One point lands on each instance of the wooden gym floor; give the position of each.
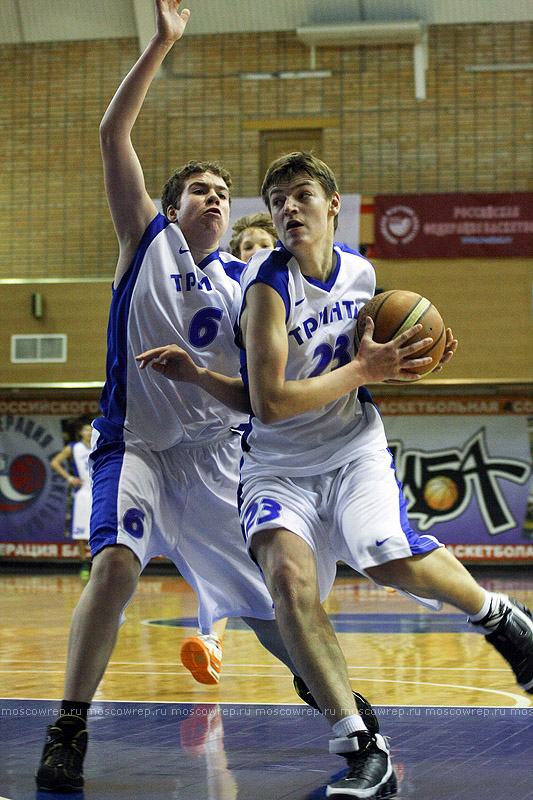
(460, 728)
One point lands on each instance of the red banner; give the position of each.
(454, 225)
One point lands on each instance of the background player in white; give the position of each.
(252, 233)
(77, 453)
(202, 654)
(165, 462)
(318, 482)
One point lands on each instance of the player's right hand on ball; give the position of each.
(394, 360)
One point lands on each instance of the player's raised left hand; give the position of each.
(170, 21)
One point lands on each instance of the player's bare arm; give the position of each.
(129, 202)
(57, 464)
(274, 399)
(176, 364)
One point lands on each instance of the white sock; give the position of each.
(485, 608)
(492, 612)
(348, 725)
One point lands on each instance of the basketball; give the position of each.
(397, 310)
(441, 493)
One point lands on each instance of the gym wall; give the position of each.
(471, 133)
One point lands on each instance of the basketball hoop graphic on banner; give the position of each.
(33, 497)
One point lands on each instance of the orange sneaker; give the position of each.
(202, 655)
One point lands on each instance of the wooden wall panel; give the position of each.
(78, 309)
(486, 303)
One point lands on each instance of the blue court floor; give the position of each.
(185, 751)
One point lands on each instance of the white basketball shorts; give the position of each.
(80, 513)
(180, 503)
(356, 514)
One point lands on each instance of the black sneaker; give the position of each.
(512, 636)
(370, 773)
(363, 706)
(61, 766)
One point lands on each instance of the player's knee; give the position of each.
(115, 568)
(399, 572)
(292, 585)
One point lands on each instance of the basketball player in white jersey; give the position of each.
(317, 480)
(165, 457)
(80, 511)
(202, 653)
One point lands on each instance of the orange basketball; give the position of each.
(441, 493)
(397, 310)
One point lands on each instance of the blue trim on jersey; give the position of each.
(214, 256)
(347, 249)
(113, 397)
(273, 271)
(233, 269)
(364, 396)
(245, 447)
(243, 369)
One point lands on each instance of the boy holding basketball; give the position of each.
(317, 480)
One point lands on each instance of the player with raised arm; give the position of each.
(202, 653)
(165, 463)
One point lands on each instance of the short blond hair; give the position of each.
(261, 220)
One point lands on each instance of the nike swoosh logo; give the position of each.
(298, 302)
(379, 543)
(184, 251)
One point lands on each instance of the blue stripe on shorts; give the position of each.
(417, 543)
(107, 462)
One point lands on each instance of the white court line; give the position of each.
(236, 665)
(98, 701)
(519, 700)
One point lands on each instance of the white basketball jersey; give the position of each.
(165, 298)
(80, 461)
(320, 321)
